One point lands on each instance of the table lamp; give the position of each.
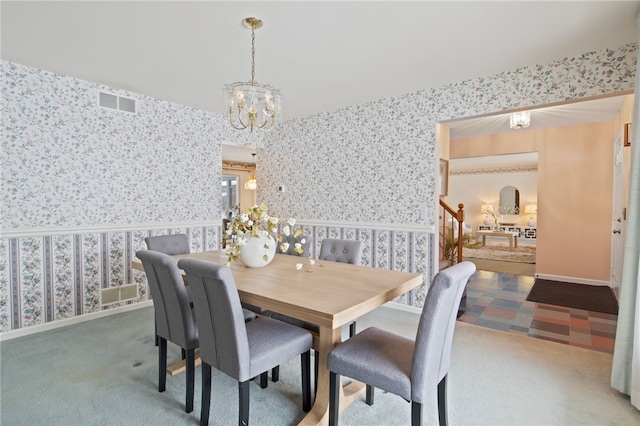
(531, 209)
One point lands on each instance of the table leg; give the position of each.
(515, 241)
(319, 413)
(484, 240)
(510, 238)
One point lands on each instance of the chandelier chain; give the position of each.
(253, 54)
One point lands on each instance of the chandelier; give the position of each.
(252, 183)
(520, 120)
(250, 104)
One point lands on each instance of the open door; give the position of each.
(618, 217)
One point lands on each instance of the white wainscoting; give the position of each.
(51, 275)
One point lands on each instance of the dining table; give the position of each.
(329, 294)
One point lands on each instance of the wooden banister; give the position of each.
(450, 246)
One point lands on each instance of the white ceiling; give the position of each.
(322, 55)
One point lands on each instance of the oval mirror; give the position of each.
(509, 200)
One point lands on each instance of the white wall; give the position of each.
(478, 185)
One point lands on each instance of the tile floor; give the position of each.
(497, 300)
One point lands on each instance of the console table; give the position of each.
(511, 236)
(525, 233)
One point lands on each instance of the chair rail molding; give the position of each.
(87, 229)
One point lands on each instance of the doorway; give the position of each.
(552, 122)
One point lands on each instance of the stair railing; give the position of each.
(450, 246)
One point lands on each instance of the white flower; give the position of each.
(298, 245)
(286, 231)
(291, 221)
(241, 241)
(249, 223)
(284, 247)
(244, 217)
(298, 266)
(228, 232)
(273, 220)
(303, 241)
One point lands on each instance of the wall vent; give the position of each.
(123, 293)
(120, 103)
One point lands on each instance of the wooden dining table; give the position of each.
(329, 294)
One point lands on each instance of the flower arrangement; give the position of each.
(283, 238)
(488, 210)
(256, 222)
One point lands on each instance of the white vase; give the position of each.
(252, 254)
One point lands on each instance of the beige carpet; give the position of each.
(495, 378)
(500, 251)
(515, 268)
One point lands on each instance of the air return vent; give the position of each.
(110, 101)
(118, 294)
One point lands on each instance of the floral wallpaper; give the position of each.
(82, 186)
(67, 162)
(376, 163)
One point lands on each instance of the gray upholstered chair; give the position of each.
(175, 244)
(242, 351)
(169, 244)
(175, 321)
(343, 251)
(404, 367)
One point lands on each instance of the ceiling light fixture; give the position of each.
(250, 104)
(252, 183)
(520, 120)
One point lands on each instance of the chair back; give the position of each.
(169, 244)
(344, 251)
(174, 317)
(432, 353)
(223, 336)
(292, 241)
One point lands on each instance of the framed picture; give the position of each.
(627, 134)
(444, 177)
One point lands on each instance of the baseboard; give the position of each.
(572, 280)
(13, 334)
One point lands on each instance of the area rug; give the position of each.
(580, 296)
(500, 251)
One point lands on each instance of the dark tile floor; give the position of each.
(497, 300)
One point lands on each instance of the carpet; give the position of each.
(500, 251)
(580, 296)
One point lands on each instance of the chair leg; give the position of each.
(316, 364)
(442, 401)
(275, 373)
(206, 394)
(264, 380)
(370, 392)
(155, 330)
(191, 372)
(243, 403)
(162, 364)
(305, 361)
(416, 414)
(352, 329)
(184, 353)
(334, 398)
